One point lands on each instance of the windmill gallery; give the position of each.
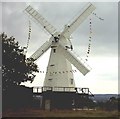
(59, 89)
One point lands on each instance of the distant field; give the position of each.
(60, 113)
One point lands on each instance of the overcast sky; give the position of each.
(103, 58)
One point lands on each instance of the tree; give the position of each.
(109, 105)
(15, 67)
(118, 103)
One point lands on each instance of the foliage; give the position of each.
(15, 67)
(111, 104)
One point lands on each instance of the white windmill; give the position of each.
(61, 56)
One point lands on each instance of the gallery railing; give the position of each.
(62, 89)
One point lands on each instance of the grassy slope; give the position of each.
(60, 113)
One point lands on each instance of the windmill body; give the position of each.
(59, 68)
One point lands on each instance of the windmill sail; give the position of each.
(75, 24)
(81, 66)
(34, 15)
(41, 50)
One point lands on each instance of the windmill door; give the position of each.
(47, 104)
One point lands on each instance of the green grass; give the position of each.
(60, 113)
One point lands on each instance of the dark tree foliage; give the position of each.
(15, 67)
(109, 105)
(119, 104)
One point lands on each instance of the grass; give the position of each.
(60, 113)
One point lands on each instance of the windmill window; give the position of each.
(50, 79)
(71, 80)
(52, 65)
(51, 73)
(54, 50)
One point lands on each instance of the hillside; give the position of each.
(103, 97)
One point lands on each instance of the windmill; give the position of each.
(61, 56)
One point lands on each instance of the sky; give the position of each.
(103, 58)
